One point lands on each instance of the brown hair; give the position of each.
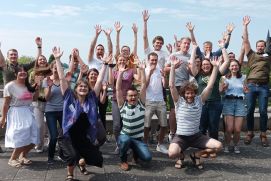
(260, 41)
(188, 86)
(239, 74)
(160, 38)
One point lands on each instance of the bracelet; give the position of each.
(111, 65)
(105, 63)
(39, 46)
(229, 33)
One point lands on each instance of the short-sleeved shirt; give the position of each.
(20, 96)
(97, 64)
(181, 73)
(154, 91)
(162, 56)
(132, 117)
(188, 116)
(259, 66)
(9, 70)
(203, 80)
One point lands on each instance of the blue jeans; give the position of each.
(139, 148)
(210, 117)
(261, 92)
(51, 119)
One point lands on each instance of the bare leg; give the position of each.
(172, 121)
(146, 134)
(238, 122)
(162, 134)
(229, 126)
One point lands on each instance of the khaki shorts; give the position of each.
(155, 107)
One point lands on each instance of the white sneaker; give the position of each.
(236, 149)
(226, 149)
(162, 149)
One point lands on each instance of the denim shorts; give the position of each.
(234, 107)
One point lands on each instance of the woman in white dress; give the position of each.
(21, 131)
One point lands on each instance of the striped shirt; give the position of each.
(188, 116)
(132, 119)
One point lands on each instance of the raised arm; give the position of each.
(98, 84)
(98, 30)
(192, 60)
(246, 21)
(142, 67)
(174, 92)
(226, 63)
(38, 41)
(118, 28)
(63, 82)
(242, 54)
(119, 93)
(107, 33)
(103, 93)
(208, 89)
(135, 29)
(146, 16)
(190, 28)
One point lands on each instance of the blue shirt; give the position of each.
(72, 109)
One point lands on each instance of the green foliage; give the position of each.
(25, 59)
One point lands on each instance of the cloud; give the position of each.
(53, 11)
(128, 7)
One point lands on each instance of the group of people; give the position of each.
(202, 86)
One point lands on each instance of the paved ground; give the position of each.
(253, 163)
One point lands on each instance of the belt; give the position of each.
(233, 97)
(258, 82)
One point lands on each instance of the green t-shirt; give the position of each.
(203, 80)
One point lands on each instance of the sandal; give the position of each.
(248, 138)
(69, 178)
(180, 162)
(194, 160)
(83, 170)
(24, 161)
(14, 163)
(264, 140)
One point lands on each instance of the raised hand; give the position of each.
(105, 86)
(38, 41)
(190, 27)
(230, 27)
(98, 29)
(107, 31)
(246, 20)
(145, 15)
(75, 52)
(38, 79)
(49, 82)
(169, 48)
(221, 43)
(107, 59)
(84, 68)
(175, 61)
(134, 28)
(57, 53)
(118, 27)
(215, 61)
(141, 65)
(152, 68)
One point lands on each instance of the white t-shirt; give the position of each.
(20, 96)
(154, 91)
(162, 56)
(97, 64)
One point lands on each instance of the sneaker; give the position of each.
(170, 137)
(162, 149)
(124, 166)
(226, 149)
(50, 161)
(236, 149)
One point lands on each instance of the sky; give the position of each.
(70, 24)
